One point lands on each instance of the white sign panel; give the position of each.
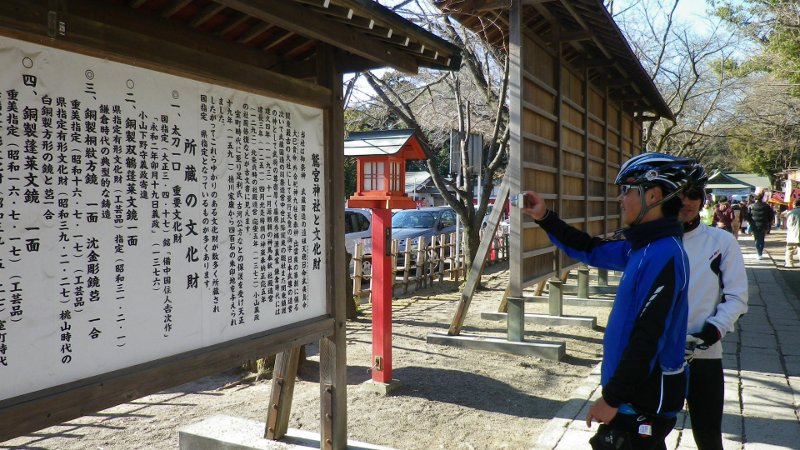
(144, 215)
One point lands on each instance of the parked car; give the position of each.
(414, 224)
(422, 223)
(358, 225)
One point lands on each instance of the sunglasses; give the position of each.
(694, 194)
(625, 188)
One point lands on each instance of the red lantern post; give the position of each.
(381, 186)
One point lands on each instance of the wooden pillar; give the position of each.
(515, 170)
(282, 392)
(332, 349)
(559, 138)
(585, 145)
(606, 229)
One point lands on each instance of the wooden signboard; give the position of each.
(154, 229)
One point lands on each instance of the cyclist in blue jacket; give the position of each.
(644, 374)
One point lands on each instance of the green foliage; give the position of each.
(766, 138)
(350, 174)
(774, 25)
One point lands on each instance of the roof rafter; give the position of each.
(316, 26)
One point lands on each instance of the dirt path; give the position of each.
(451, 398)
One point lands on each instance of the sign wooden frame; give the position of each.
(33, 411)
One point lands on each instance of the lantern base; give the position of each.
(381, 202)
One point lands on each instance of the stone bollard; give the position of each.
(556, 300)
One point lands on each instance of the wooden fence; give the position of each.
(421, 263)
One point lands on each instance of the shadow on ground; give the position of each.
(456, 387)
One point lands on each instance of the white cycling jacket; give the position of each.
(717, 283)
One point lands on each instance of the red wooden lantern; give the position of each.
(382, 157)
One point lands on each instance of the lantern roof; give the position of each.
(398, 143)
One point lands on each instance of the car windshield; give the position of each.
(414, 219)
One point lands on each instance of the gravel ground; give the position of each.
(450, 399)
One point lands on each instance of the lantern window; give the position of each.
(373, 176)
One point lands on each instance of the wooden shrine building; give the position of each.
(578, 98)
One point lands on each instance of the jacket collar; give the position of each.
(692, 224)
(644, 233)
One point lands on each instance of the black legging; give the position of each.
(706, 395)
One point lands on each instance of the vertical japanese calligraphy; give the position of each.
(143, 215)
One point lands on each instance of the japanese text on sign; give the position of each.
(143, 215)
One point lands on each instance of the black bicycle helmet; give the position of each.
(696, 176)
(671, 173)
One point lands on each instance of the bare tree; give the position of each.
(472, 100)
(697, 72)
(765, 133)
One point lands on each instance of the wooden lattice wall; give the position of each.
(569, 138)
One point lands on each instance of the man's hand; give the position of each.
(691, 345)
(708, 336)
(533, 205)
(600, 412)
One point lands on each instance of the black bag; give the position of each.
(608, 438)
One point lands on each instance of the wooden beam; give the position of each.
(574, 36)
(606, 149)
(232, 23)
(207, 13)
(333, 348)
(620, 83)
(316, 26)
(475, 271)
(475, 6)
(596, 63)
(278, 41)
(540, 7)
(429, 40)
(30, 412)
(351, 63)
(578, 18)
(558, 85)
(104, 33)
(582, 23)
(164, 30)
(254, 32)
(282, 393)
(304, 70)
(174, 7)
(515, 170)
(585, 143)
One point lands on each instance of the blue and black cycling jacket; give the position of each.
(643, 347)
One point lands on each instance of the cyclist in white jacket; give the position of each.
(717, 298)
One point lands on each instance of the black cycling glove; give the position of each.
(709, 336)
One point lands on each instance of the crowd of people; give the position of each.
(755, 216)
(683, 288)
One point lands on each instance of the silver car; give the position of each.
(358, 226)
(423, 223)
